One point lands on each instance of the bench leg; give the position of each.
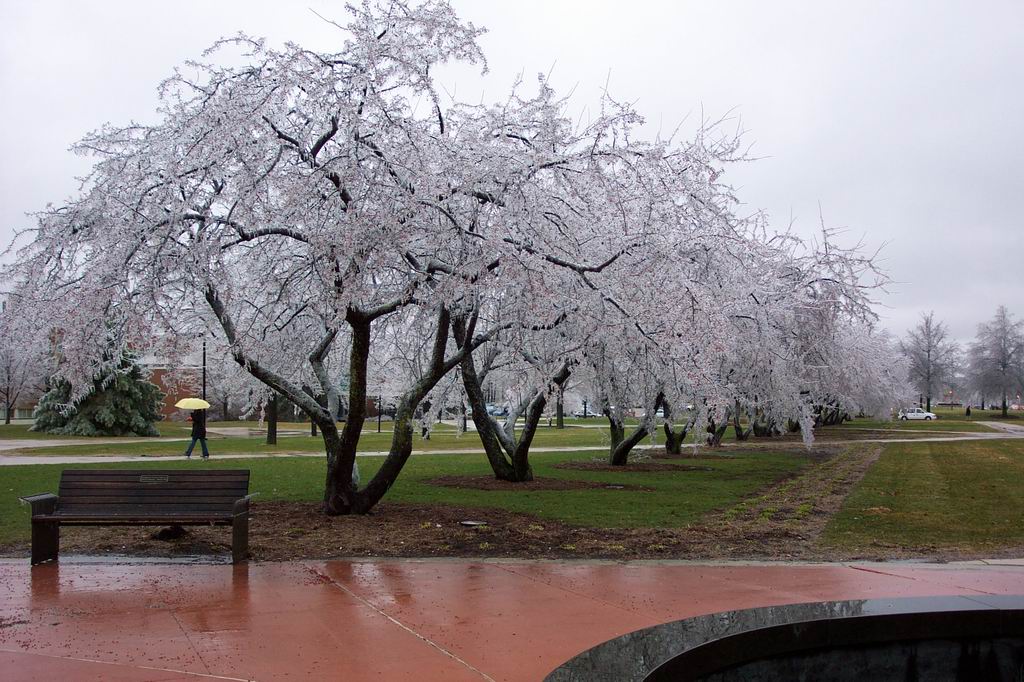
(45, 541)
(240, 538)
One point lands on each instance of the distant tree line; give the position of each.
(990, 369)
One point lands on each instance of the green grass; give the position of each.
(967, 495)
(21, 432)
(442, 438)
(940, 424)
(677, 498)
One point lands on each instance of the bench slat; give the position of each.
(141, 478)
(210, 488)
(170, 506)
(145, 499)
(99, 496)
(172, 475)
(178, 485)
(136, 472)
(141, 520)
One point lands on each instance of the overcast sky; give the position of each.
(904, 121)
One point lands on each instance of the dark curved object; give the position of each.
(947, 638)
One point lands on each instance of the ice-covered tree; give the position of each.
(26, 360)
(997, 357)
(305, 203)
(932, 356)
(336, 214)
(118, 401)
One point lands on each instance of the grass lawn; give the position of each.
(675, 498)
(965, 495)
(172, 429)
(21, 432)
(442, 438)
(940, 424)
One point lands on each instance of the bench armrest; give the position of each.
(43, 503)
(242, 504)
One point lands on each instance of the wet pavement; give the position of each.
(396, 620)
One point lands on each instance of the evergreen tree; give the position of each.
(121, 403)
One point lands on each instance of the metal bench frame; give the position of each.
(102, 507)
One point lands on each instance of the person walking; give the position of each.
(198, 418)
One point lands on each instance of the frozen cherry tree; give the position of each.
(333, 216)
(307, 204)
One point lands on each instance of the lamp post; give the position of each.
(204, 369)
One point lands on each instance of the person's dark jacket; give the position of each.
(199, 423)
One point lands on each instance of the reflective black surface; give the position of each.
(919, 638)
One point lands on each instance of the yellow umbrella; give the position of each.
(192, 404)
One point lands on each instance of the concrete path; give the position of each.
(10, 460)
(1006, 427)
(7, 445)
(427, 620)
(1008, 432)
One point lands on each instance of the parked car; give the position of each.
(589, 412)
(497, 410)
(916, 413)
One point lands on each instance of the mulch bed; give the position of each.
(688, 456)
(491, 483)
(288, 531)
(583, 465)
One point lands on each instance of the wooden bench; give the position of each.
(131, 497)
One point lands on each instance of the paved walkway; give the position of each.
(425, 620)
(1006, 427)
(1007, 432)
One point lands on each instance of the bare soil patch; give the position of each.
(688, 456)
(491, 483)
(583, 465)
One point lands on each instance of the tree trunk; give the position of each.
(401, 439)
(7, 413)
(272, 405)
(621, 445)
(618, 435)
(762, 428)
(928, 404)
(1005, 413)
(340, 495)
(485, 426)
(560, 411)
(339, 489)
(508, 456)
(224, 409)
(715, 432)
(673, 439)
(531, 419)
(741, 433)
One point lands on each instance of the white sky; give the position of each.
(904, 121)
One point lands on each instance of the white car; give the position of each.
(916, 413)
